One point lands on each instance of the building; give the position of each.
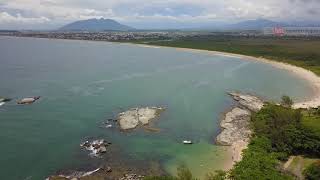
(292, 31)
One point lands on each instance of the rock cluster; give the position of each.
(97, 147)
(131, 177)
(132, 118)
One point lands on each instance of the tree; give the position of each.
(286, 101)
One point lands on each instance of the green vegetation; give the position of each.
(259, 162)
(311, 120)
(286, 132)
(278, 133)
(286, 101)
(313, 171)
(303, 52)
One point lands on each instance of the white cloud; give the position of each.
(62, 11)
(7, 18)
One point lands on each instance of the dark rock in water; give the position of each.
(97, 147)
(102, 149)
(85, 144)
(132, 177)
(5, 99)
(109, 169)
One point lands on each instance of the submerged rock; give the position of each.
(132, 118)
(97, 147)
(248, 101)
(4, 99)
(73, 175)
(132, 177)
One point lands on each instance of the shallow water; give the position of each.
(84, 83)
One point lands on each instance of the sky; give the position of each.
(51, 14)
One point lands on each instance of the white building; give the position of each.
(292, 31)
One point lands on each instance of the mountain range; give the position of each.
(112, 25)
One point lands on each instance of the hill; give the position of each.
(96, 25)
(257, 24)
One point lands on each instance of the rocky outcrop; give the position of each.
(235, 126)
(248, 101)
(132, 118)
(28, 100)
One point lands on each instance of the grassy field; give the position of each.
(303, 52)
(311, 121)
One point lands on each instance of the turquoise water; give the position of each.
(84, 83)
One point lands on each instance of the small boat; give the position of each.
(187, 142)
(2, 103)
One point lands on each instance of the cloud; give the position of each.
(8, 18)
(147, 11)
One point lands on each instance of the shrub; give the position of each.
(286, 101)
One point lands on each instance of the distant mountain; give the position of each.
(257, 24)
(96, 25)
